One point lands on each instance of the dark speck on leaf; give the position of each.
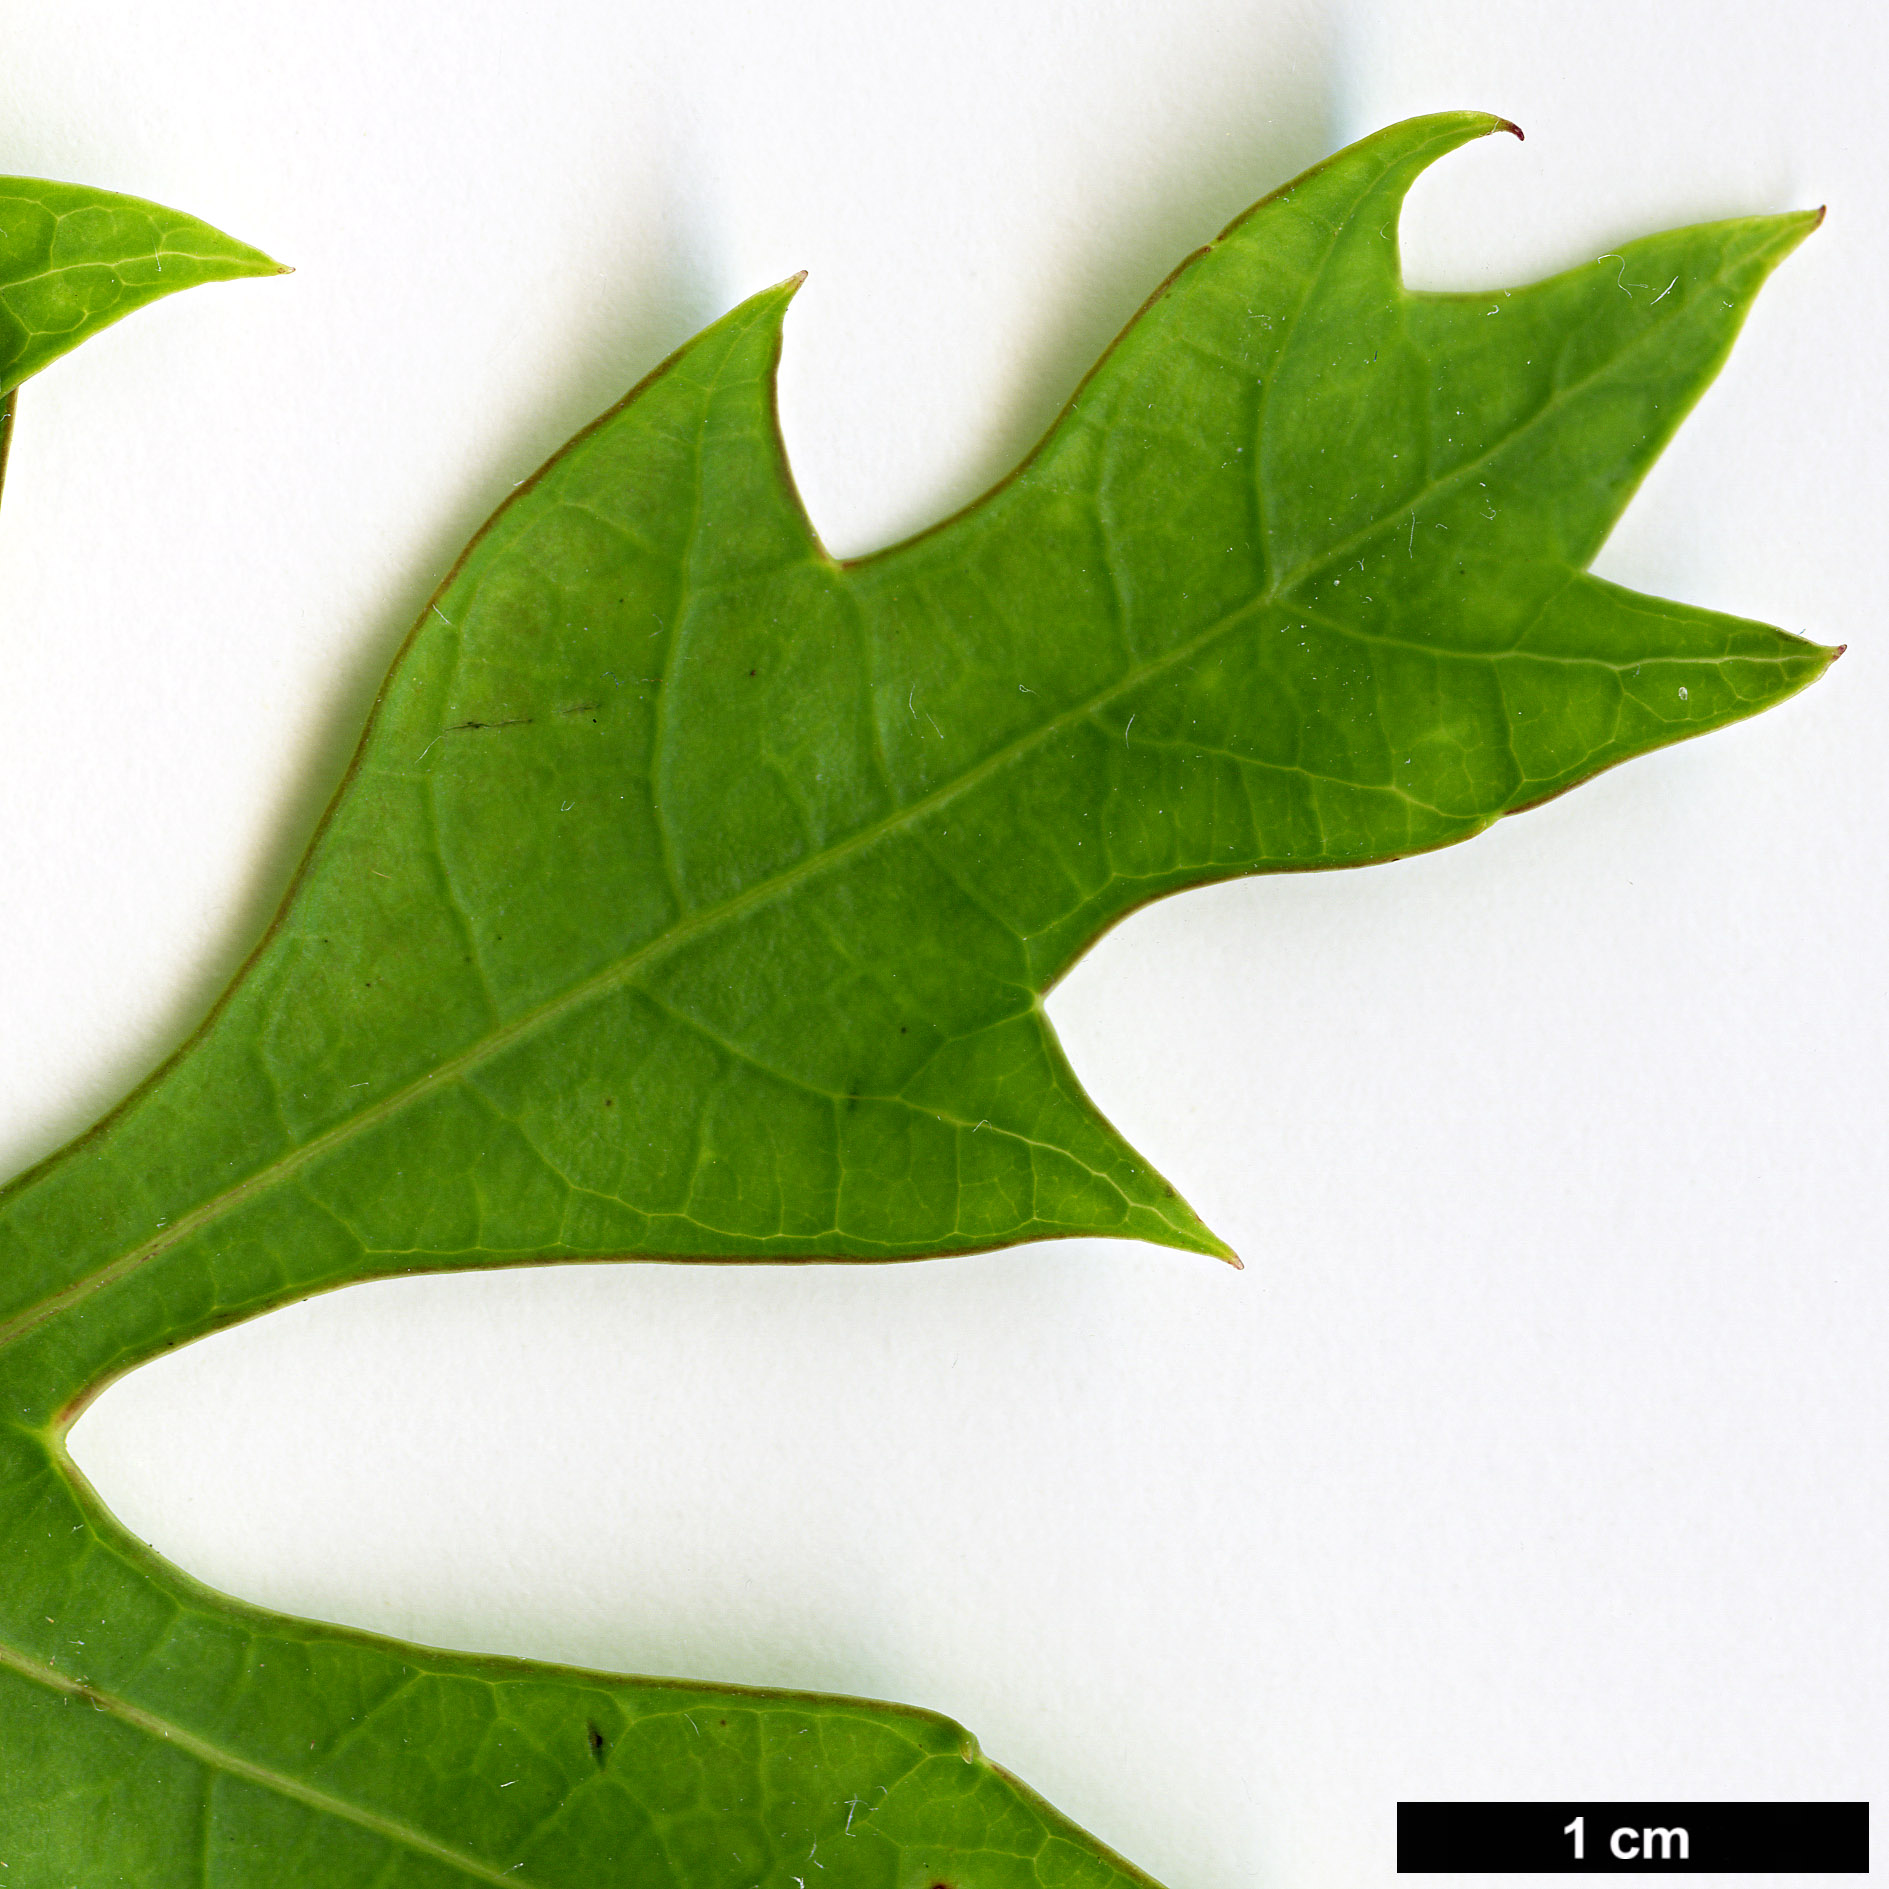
(596, 1742)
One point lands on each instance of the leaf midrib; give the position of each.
(218, 1759)
(67, 268)
(621, 972)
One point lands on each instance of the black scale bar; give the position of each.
(1632, 1839)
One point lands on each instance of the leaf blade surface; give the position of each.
(694, 895)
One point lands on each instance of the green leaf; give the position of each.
(693, 895)
(73, 261)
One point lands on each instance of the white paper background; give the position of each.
(1539, 1450)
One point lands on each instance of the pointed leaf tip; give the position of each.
(1492, 122)
(1214, 1247)
(74, 260)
